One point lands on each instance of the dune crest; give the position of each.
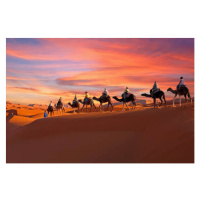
(142, 135)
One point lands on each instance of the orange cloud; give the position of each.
(51, 68)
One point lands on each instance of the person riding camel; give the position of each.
(181, 83)
(155, 88)
(126, 92)
(60, 101)
(51, 104)
(86, 96)
(75, 99)
(105, 92)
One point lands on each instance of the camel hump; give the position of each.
(155, 91)
(105, 96)
(126, 95)
(50, 107)
(182, 88)
(75, 103)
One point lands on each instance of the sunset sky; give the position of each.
(40, 70)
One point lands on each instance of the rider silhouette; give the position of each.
(181, 83)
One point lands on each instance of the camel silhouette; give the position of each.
(50, 110)
(181, 91)
(88, 102)
(130, 98)
(60, 107)
(75, 105)
(102, 100)
(157, 95)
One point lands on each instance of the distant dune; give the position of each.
(142, 135)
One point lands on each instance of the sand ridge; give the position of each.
(142, 135)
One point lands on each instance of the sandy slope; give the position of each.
(143, 135)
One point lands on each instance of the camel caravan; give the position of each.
(155, 93)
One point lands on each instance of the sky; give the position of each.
(41, 70)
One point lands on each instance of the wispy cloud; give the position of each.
(54, 67)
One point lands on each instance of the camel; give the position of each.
(131, 98)
(181, 91)
(50, 110)
(88, 102)
(157, 95)
(75, 105)
(102, 100)
(60, 107)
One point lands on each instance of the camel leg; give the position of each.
(160, 102)
(123, 107)
(127, 106)
(154, 101)
(132, 105)
(78, 109)
(83, 107)
(108, 106)
(174, 99)
(185, 100)
(90, 107)
(86, 108)
(179, 100)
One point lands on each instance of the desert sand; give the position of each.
(142, 135)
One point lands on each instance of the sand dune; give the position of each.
(142, 135)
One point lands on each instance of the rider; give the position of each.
(86, 96)
(181, 83)
(51, 104)
(155, 88)
(126, 91)
(75, 99)
(105, 92)
(60, 101)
